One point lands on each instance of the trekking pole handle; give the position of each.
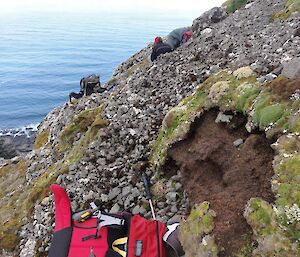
(147, 186)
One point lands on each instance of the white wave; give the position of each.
(27, 130)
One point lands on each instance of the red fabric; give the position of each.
(62, 207)
(79, 248)
(157, 40)
(145, 230)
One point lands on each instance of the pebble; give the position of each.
(238, 142)
(115, 208)
(114, 193)
(223, 118)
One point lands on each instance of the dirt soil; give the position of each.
(215, 170)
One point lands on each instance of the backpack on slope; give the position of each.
(103, 234)
(90, 84)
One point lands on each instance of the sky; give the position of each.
(187, 6)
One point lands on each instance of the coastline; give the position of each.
(15, 142)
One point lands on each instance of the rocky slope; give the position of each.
(240, 70)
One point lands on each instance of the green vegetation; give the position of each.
(11, 176)
(177, 122)
(16, 206)
(138, 66)
(81, 124)
(41, 139)
(264, 221)
(290, 7)
(233, 5)
(198, 225)
(237, 92)
(247, 249)
(269, 114)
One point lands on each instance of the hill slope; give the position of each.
(96, 147)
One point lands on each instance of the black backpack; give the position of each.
(90, 84)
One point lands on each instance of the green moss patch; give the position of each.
(290, 7)
(138, 66)
(177, 123)
(81, 124)
(264, 221)
(269, 114)
(194, 232)
(233, 5)
(12, 177)
(41, 139)
(19, 197)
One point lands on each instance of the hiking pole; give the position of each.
(148, 193)
(149, 198)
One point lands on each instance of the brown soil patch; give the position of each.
(284, 87)
(215, 170)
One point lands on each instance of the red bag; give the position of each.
(107, 235)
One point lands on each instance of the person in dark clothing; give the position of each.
(159, 48)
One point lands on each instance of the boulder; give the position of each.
(291, 69)
(214, 15)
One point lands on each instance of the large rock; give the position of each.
(214, 15)
(291, 69)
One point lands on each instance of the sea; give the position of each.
(43, 56)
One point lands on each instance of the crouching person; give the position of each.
(159, 48)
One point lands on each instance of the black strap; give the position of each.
(157, 238)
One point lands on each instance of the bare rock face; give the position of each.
(214, 15)
(13, 145)
(291, 69)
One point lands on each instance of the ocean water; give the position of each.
(44, 55)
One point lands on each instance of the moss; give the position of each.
(9, 241)
(138, 66)
(198, 225)
(41, 139)
(246, 98)
(12, 178)
(288, 171)
(261, 217)
(270, 114)
(238, 87)
(20, 199)
(233, 5)
(80, 124)
(112, 81)
(290, 7)
(200, 220)
(176, 123)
